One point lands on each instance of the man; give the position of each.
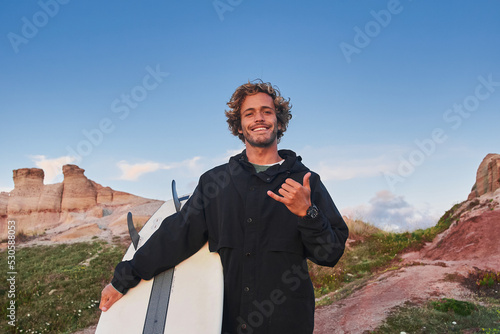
(264, 212)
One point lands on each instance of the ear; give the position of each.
(240, 131)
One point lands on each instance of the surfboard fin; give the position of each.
(177, 202)
(134, 235)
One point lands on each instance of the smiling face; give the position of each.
(259, 124)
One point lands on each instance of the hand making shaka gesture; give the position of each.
(296, 196)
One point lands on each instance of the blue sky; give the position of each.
(395, 103)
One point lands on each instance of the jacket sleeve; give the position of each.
(178, 237)
(325, 236)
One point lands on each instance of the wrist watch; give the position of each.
(312, 212)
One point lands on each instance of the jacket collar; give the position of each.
(292, 164)
(239, 164)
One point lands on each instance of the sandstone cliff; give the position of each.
(78, 192)
(76, 203)
(487, 176)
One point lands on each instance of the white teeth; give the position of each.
(259, 129)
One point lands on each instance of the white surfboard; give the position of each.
(185, 299)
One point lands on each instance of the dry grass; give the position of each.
(359, 229)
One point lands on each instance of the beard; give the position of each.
(261, 141)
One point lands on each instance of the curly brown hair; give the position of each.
(281, 106)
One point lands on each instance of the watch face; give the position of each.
(312, 212)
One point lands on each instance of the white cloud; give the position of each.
(192, 164)
(5, 189)
(392, 213)
(132, 172)
(352, 161)
(223, 158)
(232, 152)
(351, 169)
(52, 168)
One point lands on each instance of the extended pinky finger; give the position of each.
(274, 196)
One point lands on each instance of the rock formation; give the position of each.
(28, 185)
(487, 177)
(4, 200)
(76, 201)
(79, 194)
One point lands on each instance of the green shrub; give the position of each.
(427, 319)
(456, 306)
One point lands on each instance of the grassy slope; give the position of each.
(376, 251)
(58, 287)
(372, 250)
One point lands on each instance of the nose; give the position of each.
(259, 116)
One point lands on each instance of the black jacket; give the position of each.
(262, 245)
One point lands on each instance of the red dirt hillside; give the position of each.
(470, 242)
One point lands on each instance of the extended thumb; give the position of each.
(306, 182)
